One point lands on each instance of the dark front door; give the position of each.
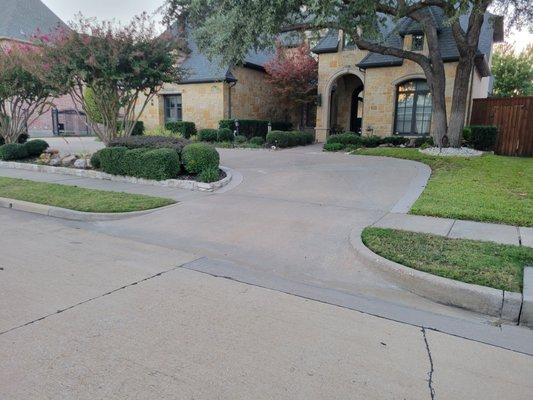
(356, 122)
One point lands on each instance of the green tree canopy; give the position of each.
(513, 72)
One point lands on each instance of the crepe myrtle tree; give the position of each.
(121, 69)
(26, 88)
(293, 73)
(231, 27)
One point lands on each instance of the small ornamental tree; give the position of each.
(513, 72)
(293, 73)
(120, 69)
(26, 89)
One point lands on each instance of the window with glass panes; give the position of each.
(413, 108)
(173, 109)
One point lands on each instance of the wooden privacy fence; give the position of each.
(514, 118)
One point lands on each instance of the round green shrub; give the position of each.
(111, 160)
(95, 160)
(198, 157)
(184, 128)
(395, 140)
(13, 151)
(209, 175)
(225, 135)
(333, 146)
(240, 139)
(278, 139)
(257, 140)
(208, 135)
(36, 147)
(480, 137)
(157, 164)
(371, 141)
(346, 138)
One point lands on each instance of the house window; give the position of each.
(173, 108)
(413, 108)
(417, 44)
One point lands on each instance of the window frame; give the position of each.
(416, 92)
(179, 107)
(419, 36)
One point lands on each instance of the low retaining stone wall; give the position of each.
(87, 173)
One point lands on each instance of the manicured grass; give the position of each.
(75, 198)
(483, 263)
(489, 188)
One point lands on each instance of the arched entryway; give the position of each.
(345, 96)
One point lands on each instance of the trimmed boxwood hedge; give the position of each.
(197, 157)
(289, 139)
(257, 140)
(36, 147)
(333, 147)
(157, 164)
(225, 135)
(13, 151)
(185, 128)
(247, 127)
(150, 142)
(346, 139)
(208, 135)
(481, 137)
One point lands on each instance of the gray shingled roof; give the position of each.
(20, 19)
(447, 43)
(393, 36)
(198, 68)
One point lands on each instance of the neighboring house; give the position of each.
(210, 92)
(20, 20)
(385, 95)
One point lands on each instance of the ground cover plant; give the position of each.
(488, 188)
(482, 263)
(76, 198)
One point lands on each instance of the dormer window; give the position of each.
(417, 43)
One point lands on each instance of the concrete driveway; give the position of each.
(211, 299)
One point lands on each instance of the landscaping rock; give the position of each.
(68, 160)
(452, 151)
(81, 163)
(55, 162)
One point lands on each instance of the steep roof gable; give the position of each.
(20, 19)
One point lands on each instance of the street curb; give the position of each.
(526, 316)
(87, 173)
(72, 215)
(497, 303)
(414, 190)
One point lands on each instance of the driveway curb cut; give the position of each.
(497, 303)
(87, 173)
(72, 215)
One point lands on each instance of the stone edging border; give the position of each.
(87, 173)
(497, 303)
(72, 215)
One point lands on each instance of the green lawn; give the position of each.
(488, 188)
(76, 198)
(483, 263)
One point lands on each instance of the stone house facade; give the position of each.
(210, 92)
(384, 95)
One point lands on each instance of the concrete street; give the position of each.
(253, 292)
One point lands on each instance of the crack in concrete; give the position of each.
(92, 299)
(431, 369)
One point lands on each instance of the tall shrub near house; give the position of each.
(120, 69)
(26, 89)
(513, 71)
(293, 74)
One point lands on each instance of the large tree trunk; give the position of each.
(460, 101)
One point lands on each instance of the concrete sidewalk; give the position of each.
(455, 228)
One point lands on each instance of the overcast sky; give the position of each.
(123, 10)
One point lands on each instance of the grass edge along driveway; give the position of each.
(76, 198)
(488, 188)
(482, 263)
